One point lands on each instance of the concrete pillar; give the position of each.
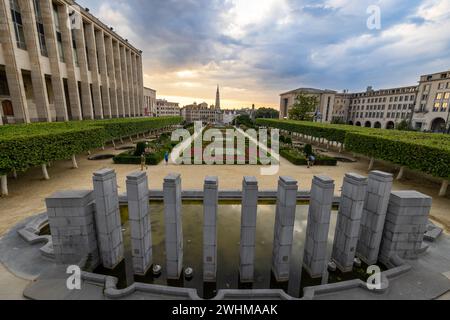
(140, 226)
(107, 218)
(86, 98)
(103, 66)
(125, 87)
(210, 209)
(59, 97)
(71, 219)
(140, 74)
(371, 164)
(95, 77)
(248, 229)
(406, 223)
(284, 228)
(401, 173)
(174, 226)
(130, 82)
(12, 69)
(374, 216)
(111, 75)
(4, 185)
(443, 190)
(34, 53)
(315, 257)
(119, 85)
(74, 162)
(137, 105)
(45, 172)
(348, 224)
(72, 82)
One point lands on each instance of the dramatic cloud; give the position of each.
(255, 49)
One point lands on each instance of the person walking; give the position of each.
(311, 161)
(166, 157)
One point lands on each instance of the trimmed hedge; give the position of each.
(425, 152)
(31, 150)
(30, 145)
(118, 128)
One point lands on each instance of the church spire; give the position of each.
(217, 99)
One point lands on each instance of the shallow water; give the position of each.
(228, 250)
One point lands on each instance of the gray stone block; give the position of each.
(174, 228)
(319, 215)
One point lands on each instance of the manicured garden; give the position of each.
(154, 152)
(425, 152)
(225, 150)
(299, 155)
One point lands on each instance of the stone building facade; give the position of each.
(165, 108)
(426, 106)
(58, 62)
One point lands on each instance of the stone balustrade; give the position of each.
(373, 223)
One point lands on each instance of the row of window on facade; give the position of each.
(380, 100)
(380, 115)
(441, 86)
(20, 35)
(383, 107)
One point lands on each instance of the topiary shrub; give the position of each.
(308, 150)
(140, 149)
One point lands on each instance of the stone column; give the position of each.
(348, 225)
(140, 81)
(139, 216)
(137, 104)
(107, 217)
(86, 98)
(374, 216)
(284, 228)
(125, 87)
(95, 77)
(12, 69)
(104, 72)
(119, 85)
(71, 219)
(174, 226)
(59, 97)
(72, 82)
(248, 229)
(406, 223)
(34, 53)
(130, 82)
(315, 257)
(210, 208)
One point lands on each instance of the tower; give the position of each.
(218, 98)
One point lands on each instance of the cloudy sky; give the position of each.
(256, 49)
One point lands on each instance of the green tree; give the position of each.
(303, 108)
(244, 120)
(403, 126)
(267, 113)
